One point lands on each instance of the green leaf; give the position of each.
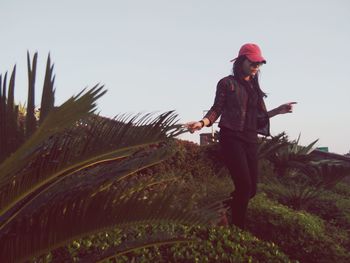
(30, 117)
(48, 94)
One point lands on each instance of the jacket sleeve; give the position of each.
(215, 111)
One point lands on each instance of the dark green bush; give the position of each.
(300, 235)
(197, 170)
(343, 188)
(210, 244)
(213, 244)
(332, 207)
(190, 159)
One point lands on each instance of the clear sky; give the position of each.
(159, 55)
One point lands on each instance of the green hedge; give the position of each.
(333, 208)
(189, 159)
(300, 235)
(214, 244)
(210, 244)
(343, 187)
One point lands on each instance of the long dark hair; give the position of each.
(237, 71)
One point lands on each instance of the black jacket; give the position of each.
(231, 103)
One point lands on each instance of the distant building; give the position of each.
(206, 139)
(322, 155)
(323, 149)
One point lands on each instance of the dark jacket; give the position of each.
(231, 103)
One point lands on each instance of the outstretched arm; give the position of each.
(197, 125)
(214, 112)
(282, 109)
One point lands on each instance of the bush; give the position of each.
(197, 170)
(300, 235)
(335, 210)
(342, 188)
(211, 244)
(214, 244)
(191, 159)
(332, 207)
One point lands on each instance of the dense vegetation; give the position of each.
(75, 186)
(276, 231)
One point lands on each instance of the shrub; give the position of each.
(335, 210)
(293, 190)
(343, 188)
(332, 207)
(300, 235)
(211, 244)
(191, 159)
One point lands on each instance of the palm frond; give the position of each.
(63, 156)
(11, 94)
(16, 184)
(302, 185)
(268, 147)
(31, 120)
(48, 94)
(64, 116)
(90, 142)
(102, 210)
(10, 133)
(291, 156)
(76, 167)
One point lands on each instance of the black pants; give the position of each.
(241, 159)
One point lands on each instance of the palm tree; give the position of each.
(300, 179)
(299, 188)
(289, 155)
(268, 147)
(67, 174)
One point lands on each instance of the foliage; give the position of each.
(199, 173)
(269, 146)
(207, 244)
(299, 178)
(210, 187)
(334, 208)
(289, 156)
(15, 126)
(72, 176)
(298, 188)
(299, 234)
(342, 188)
(122, 189)
(190, 160)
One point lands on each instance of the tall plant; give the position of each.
(299, 178)
(290, 156)
(67, 174)
(15, 126)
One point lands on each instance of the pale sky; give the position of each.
(160, 55)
